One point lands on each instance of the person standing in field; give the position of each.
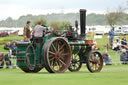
(27, 32)
(111, 36)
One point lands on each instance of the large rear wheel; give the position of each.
(30, 57)
(57, 55)
(37, 69)
(30, 61)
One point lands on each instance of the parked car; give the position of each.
(125, 29)
(119, 32)
(3, 34)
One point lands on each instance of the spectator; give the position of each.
(27, 32)
(111, 36)
(13, 45)
(117, 45)
(7, 60)
(118, 39)
(6, 46)
(124, 41)
(124, 57)
(107, 58)
(12, 48)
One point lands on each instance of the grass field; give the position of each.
(110, 75)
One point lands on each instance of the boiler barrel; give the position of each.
(77, 46)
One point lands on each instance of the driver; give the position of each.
(39, 32)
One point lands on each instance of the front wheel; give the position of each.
(75, 63)
(95, 62)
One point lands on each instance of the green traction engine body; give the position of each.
(58, 52)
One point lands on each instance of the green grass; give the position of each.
(110, 75)
(10, 38)
(1, 48)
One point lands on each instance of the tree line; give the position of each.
(92, 19)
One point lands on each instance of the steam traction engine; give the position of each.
(59, 52)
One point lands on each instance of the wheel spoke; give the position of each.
(92, 57)
(59, 64)
(92, 65)
(78, 63)
(62, 46)
(54, 47)
(61, 51)
(62, 62)
(58, 47)
(52, 52)
(75, 56)
(62, 57)
(50, 55)
(74, 67)
(54, 64)
(52, 59)
(90, 61)
(97, 59)
(56, 43)
(97, 66)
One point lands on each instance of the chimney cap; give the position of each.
(83, 10)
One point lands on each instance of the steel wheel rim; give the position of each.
(95, 62)
(75, 63)
(59, 58)
(28, 55)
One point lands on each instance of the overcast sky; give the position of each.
(16, 8)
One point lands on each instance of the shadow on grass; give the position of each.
(65, 73)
